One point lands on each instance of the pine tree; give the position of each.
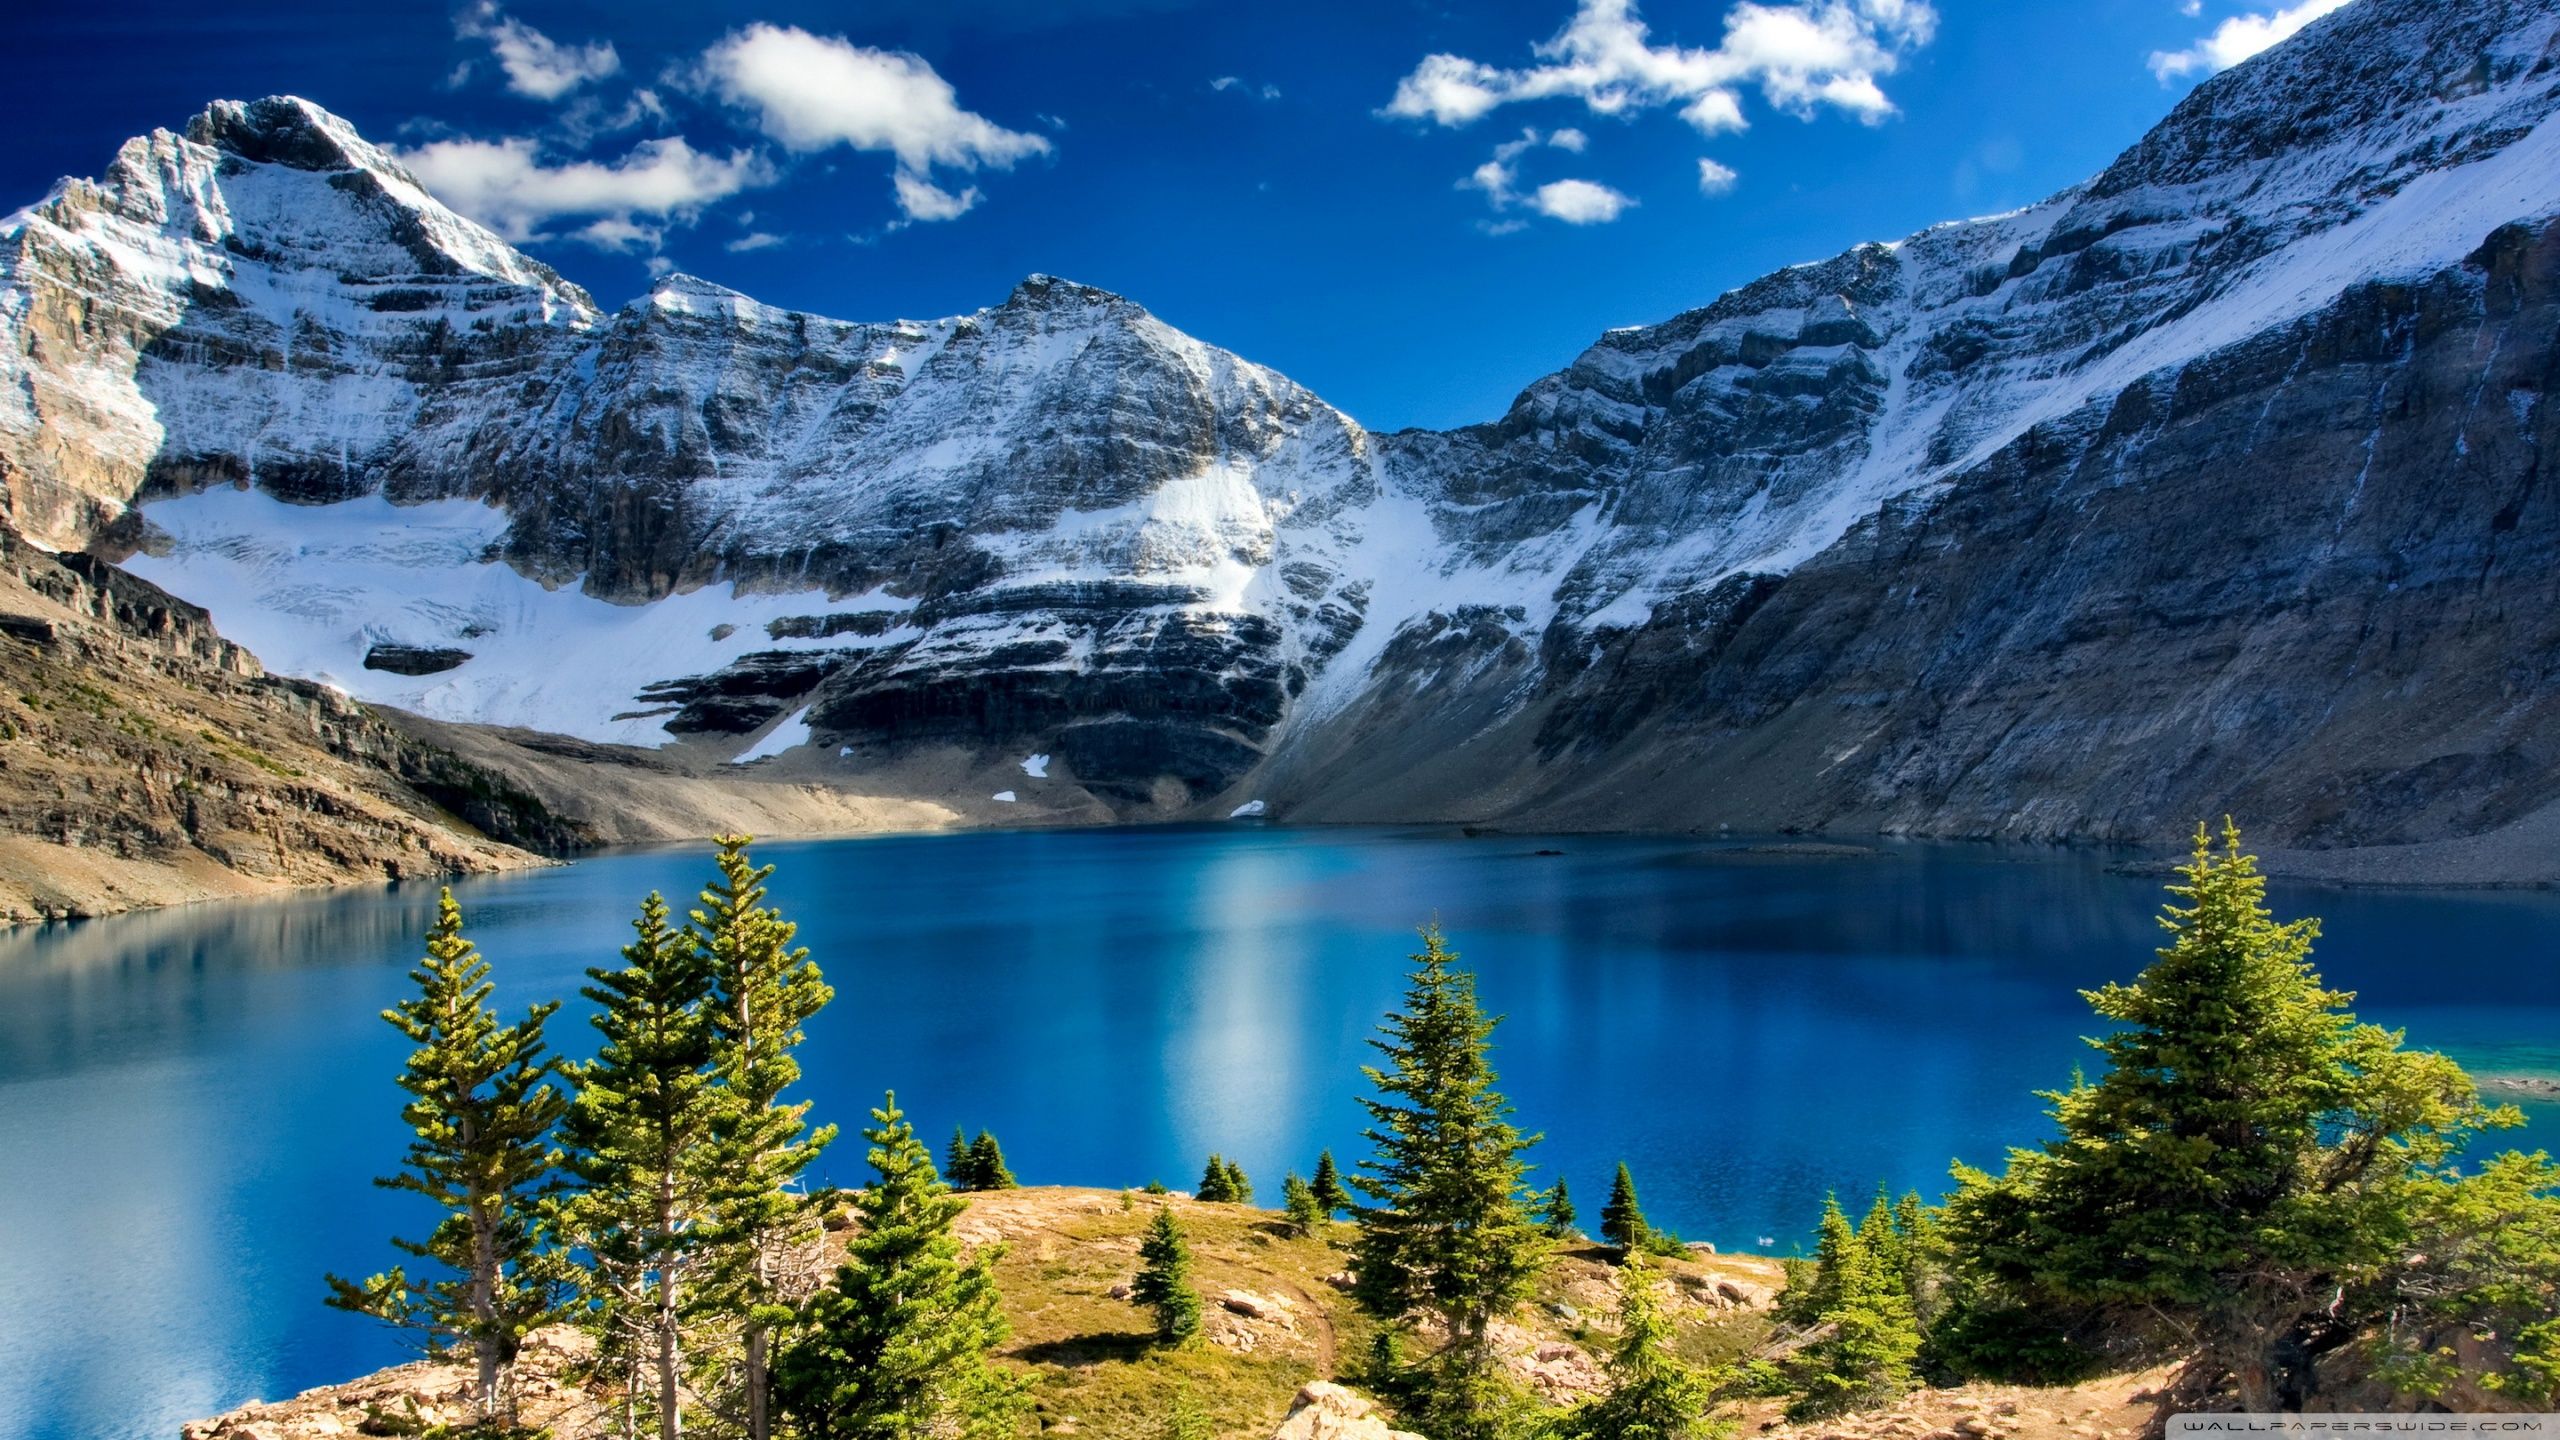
(1869, 1341)
(1805, 1304)
(959, 1166)
(1327, 1183)
(898, 1347)
(2244, 1166)
(1298, 1205)
(1915, 1231)
(1653, 1394)
(1558, 1213)
(1239, 1185)
(1449, 1229)
(638, 1135)
(1164, 1280)
(1622, 1220)
(1216, 1186)
(986, 1165)
(482, 1108)
(763, 991)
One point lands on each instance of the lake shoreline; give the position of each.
(119, 885)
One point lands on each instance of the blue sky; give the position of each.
(1413, 208)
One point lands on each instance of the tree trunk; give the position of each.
(670, 1415)
(759, 1393)
(486, 1343)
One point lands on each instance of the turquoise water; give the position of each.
(191, 1102)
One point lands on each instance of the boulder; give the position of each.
(1326, 1411)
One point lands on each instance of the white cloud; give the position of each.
(755, 240)
(1258, 92)
(505, 185)
(1801, 55)
(811, 92)
(921, 199)
(536, 64)
(1497, 177)
(1579, 202)
(2236, 39)
(1714, 178)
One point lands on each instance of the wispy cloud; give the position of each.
(506, 185)
(756, 240)
(1245, 87)
(1801, 56)
(1499, 176)
(2236, 39)
(1715, 178)
(535, 64)
(813, 92)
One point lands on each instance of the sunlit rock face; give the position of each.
(2208, 484)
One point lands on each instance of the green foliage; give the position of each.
(1217, 1183)
(1622, 1219)
(763, 991)
(1298, 1205)
(958, 1167)
(1653, 1394)
(986, 1165)
(2249, 1164)
(1163, 1283)
(1556, 1216)
(2485, 1263)
(1327, 1182)
(1185, 1420)
(1867, 1338)
(897, 1349)
(638, 1139)
(1449, 1229)
(481, 1112)
(1239, 1186)
(1813, 1290)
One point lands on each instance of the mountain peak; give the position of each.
(286, 130)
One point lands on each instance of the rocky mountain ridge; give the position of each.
(2211, 483)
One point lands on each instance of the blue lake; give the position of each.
(192, 1102)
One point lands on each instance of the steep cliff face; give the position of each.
(2211, 483)
(145, 760)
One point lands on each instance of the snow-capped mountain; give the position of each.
(2209, 483)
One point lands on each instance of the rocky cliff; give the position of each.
(2208, 484)
(144, 760)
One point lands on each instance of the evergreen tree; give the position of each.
(481, 1110)
(1298, 1205)
(2245, 1165)
(1327, 1183)
(1916, 1257)
(1622, 1220)
(1216, 1186)
(1805, 1305)
(1869, 1339)
(1653, 1394)
(1448, 1230)
(959, 1165)
(1164, 1280)
(986, 1165)
(897, 1348)
(763, 991)
(1239, 1185)
(1558, 1214)
(638, 1135)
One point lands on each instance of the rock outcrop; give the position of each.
(145, 760)
(1326, 1411)
(2211, 484)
